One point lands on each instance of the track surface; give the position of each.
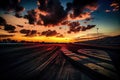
(55, 62)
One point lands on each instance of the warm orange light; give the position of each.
(44, 39)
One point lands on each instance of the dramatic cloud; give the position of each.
(2, 21)
(74, 24)
(49, 33)
(28, 32)
(7, 27)
(51, 12)
(82, 16)
(90, 26)
(10, 28)
(78, 6)
(33, 17)
(75, 27)
(24, 31)
(55, 18)
(11, 5)
(83, 28)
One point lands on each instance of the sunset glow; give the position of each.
(60, 22)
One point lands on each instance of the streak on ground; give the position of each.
(40, 62)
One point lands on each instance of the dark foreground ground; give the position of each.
(58, 62)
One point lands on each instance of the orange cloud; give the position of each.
(92, 7)
(38, 11)
(115, 6)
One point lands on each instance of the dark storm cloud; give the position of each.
(49, 33)
(78, 6)
(73, 24)
(10, 28)
(2, 21)
(69, 6)
(57, 13)
(83, 28)
(75, 27)
(28, 32)
(7, 27)
(11, 5)
(43, 4)
(55, 10)
(75, 30)
(51, 12)
(24, 31)
(30, 17)
(18, 15)
(90, 26)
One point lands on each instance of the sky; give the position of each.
(59, 20)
